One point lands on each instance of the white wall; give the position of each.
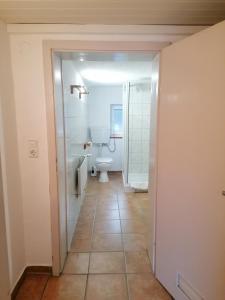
(76, 129)
(28, 76)
(99, 101)
(26, 47)
(10, 165)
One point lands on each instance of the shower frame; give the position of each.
(126, 125)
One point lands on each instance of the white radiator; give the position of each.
(82, 174)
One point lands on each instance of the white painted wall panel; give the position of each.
(10, 164)
(191, 165)
(28, 76)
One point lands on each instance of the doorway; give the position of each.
(105, 217)
(102, 123)
(62, 222)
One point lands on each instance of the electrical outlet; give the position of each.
(33, 150)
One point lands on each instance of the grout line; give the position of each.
(99, 251)
(105, 273)
(89, 259)
(125, 266)
(92, 232)
(42, 295)
(85, 292)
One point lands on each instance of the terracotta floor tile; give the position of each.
(110, 204)
(146, 206)
(127, 204)
(90, 198)
(89, 214)
(32, 287)
(133, 226)
(86, 225)
(129, 214)
(134, 242)
(77, 263)
(89, 204)
(107, 226)
(65, 287)
(107, 262)
(108, 214)
(127, 197)
(106, 287)
(85, 219)
(80, 245)
(105, 189)
(88, 208)
(84, 230)
(122, 196)
(137, 262)
(90, 191)
(107, 242)
(107, 197)
(145, 287)
(107, 209)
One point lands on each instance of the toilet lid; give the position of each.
(103, 160)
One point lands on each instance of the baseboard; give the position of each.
(18, 285)
(115, 172)
(38, 270)
(29, 270)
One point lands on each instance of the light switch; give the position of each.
(33, 150)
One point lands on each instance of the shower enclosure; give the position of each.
(136, 100)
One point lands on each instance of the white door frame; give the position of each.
(49, 47)
(4, 251)
(4, 265)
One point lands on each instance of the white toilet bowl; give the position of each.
(103, 164)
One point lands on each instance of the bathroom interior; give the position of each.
(102, 117)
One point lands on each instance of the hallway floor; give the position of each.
(108, 258)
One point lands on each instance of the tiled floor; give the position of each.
(108, 258)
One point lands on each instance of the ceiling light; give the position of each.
(104, 76)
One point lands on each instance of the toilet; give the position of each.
(103, 164)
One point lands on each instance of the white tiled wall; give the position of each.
(139, 127)
(76, 131)
(100, 99)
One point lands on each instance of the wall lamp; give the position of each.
(80, 88)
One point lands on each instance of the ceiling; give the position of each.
(133, 12)
(110, 68)
(113, 73)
